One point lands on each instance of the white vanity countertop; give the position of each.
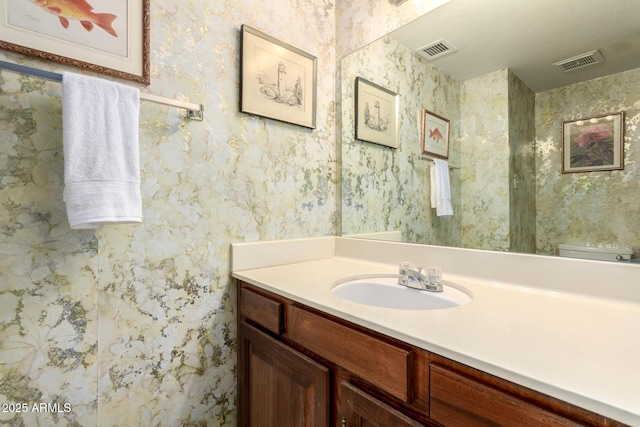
(583, 349)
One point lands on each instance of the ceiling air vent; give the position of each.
(579, 61)
(437, 49)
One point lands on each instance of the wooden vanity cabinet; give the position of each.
(301, 367)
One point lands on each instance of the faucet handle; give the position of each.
(403, 269)
(405, 266)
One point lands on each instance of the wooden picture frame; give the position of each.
(111, 39)
(278, 81)
(593, 144)
(376, 113)
(434, 135)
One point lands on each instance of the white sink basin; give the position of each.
(385, 292)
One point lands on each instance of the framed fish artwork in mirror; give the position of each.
(434, 135)
(102, 36)
(593, 144)
(376, 114)
(277, 80)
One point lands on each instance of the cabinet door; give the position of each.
(362, 410)
(278, 386)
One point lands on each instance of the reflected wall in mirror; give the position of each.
(386, 189)
(507, 186)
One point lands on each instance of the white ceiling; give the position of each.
(528, 36)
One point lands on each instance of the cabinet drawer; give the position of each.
(380, 363)
(261, 310)
(457, 400)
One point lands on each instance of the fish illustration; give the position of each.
(78, 10)
(435, 134)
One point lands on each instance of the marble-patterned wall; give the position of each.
(134, 325)
(591, 207)
(388, 189)
(522, 168)
(498, 163)
(485, 155)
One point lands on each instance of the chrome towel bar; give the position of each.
(194, 111)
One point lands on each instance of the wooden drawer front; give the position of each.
(381, 364)
(457, 400)
(261, 310)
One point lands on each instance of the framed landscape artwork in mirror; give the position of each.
(434, 135)
(278, 81)
(106, 37)
(593, 144)
(376, 114)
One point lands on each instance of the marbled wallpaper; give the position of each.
(596, 208)
(522, 167)
(485, 161)
(388, 189)
(134, 325)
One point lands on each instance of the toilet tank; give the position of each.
(601, 253)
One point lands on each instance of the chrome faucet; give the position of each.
(409, 275)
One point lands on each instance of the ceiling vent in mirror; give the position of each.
(579, 61)
(437, 49)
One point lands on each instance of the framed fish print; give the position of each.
(593, 144)
(434, 135)
(376, 113)
(104, 36)
(277, 81)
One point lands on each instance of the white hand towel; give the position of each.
(441, 184)
(101, 153)
(433, 188)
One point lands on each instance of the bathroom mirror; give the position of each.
(506, 102)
